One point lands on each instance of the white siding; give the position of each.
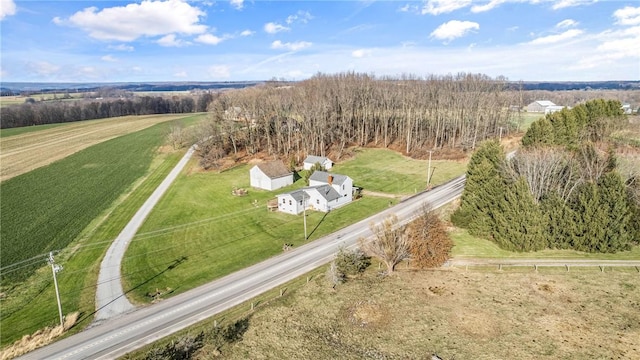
(261, 181)
(287, 204)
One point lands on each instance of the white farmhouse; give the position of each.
(325, 192)
(270, 175)
(312, 160)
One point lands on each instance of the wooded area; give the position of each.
(563, 190)
(39, 113)
(329, 113)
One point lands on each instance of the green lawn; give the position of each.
(27, 129)
(387, 171)
(469, 246)
(199, 231)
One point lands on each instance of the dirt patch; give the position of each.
(368, 314)
(38, 339)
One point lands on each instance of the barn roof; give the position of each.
(274, 169)
(545, 103)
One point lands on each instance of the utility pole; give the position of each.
(304, 214)
(55, 269)
(429, 169)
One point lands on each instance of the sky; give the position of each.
(237, 40)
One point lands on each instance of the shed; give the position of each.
(270, 175)
(312, 160)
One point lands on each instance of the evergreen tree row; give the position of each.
(550, 196)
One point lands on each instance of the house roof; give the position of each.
(274, 169)
(312, 159)
(298, 195)
(326, 191)
(544, 103)
(323, 176)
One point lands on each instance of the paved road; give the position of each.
(110, 298)
(120, 335)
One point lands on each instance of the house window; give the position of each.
(318, 201)
(300, 202)
(342, 186)
(289, 202)
(284, 200)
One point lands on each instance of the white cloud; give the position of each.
(238, 4)
(171, 41)
(566, 23)
(454, 29)
(300, 16)
(7, 8)
(181, 74)
(294, 46)
(488, 6)
(121, 47)
(273, 28)
(148, 18)
(219, 72)
(552, 39)
(43, 68)
(247, 33)
(109, 58)
(360, 53)
(627, 16)
(437, 7)
(3, 73)
(210, 39)
(561, 4)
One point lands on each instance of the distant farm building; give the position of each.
(539, 106)
(270, 175)
(311, 160)
(325, 192)
(626, 109)
(554, 108)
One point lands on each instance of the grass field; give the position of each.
(469, 246)
(387, 171)
(28, 148)
(550, 314)
(209, 233)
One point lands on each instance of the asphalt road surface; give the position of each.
(119, 335)
(110, 298)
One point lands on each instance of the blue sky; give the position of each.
(179, 40)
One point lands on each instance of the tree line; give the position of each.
(328, 113)
(40, 113)
(563, 190)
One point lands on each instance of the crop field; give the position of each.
(110, 174)
(387, 171)
(22, 151)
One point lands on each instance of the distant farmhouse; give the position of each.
(312, 160)
(270, 175)
(626, 108)
(539, 106)
(554, 108)
(326, 191)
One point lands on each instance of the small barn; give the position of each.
(270, 175)
(326, 191)
(539, 106)
(312, 160)
(293, 202)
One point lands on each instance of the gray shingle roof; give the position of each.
(312, 159)
(298, 195)
(274, 169)
(327, 192)
(324, 177)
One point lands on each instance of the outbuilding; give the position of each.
(311, 160)
(270, 175)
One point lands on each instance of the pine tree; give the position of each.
(520, 224)
(482, 189)
(540, 132)
(614, 201)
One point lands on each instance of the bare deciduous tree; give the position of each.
(389, 243)
(429, 243)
